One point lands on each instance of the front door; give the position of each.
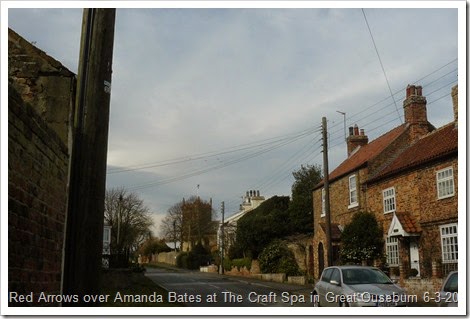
(414, 255)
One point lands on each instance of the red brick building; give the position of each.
(408, 179)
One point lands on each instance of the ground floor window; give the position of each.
(449, 244)
(392, 251)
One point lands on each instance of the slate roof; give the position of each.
(437, 144)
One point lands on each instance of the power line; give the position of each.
(218, 166)
(381, 64)
(261, 147)
(206, 155)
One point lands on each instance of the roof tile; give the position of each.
(408, 223)
(365, 153)
(440, 142)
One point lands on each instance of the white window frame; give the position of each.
(392, 251)
(445, 183)
(449, 243)
(353, 200)
(389, 200)
(107, 235)
(323, 207)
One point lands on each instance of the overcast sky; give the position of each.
(232, 99)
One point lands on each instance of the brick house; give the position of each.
(408, 179)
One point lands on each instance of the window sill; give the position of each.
(353, 205)
(444, 197)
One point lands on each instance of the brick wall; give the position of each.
(416, 193)
(37, 184)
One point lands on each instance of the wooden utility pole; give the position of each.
(87, 175)
(326, 185)
(222, 239)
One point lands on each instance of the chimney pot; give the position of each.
(356, 138)
(414, 90)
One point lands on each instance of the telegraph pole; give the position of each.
(222, 239)
(326, 185)
(87, 174)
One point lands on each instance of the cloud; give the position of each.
(192, 81)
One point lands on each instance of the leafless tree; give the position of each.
(171, 227)
(129, 218)
(188, 221)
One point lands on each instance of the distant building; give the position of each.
(106, 245)
(251, 200)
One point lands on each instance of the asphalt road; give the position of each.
(196, 289)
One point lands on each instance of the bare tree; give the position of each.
(129, 218)
(188, 221)
(171, 227)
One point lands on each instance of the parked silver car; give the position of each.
(357, 286)
(448, 295)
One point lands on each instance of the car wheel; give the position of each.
(316, 300)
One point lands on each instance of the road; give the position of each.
(196, 289)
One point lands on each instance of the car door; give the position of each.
(335, 287)
(322, 286)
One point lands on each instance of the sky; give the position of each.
(216, 102)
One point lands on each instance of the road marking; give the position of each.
(261, 285)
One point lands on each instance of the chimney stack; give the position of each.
(415, 112)
(356, 138)
(455, 103)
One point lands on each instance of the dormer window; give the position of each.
(352, 192)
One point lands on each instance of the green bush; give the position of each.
(182, 260)
(361, 239)
(227, 264)
(242, 262)
(193, 259)
(277, 258)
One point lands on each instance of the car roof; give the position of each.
(352, 267)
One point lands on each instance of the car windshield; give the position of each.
(359, 276)
(452, 283)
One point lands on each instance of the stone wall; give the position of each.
(37, 188)
(43, 82)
